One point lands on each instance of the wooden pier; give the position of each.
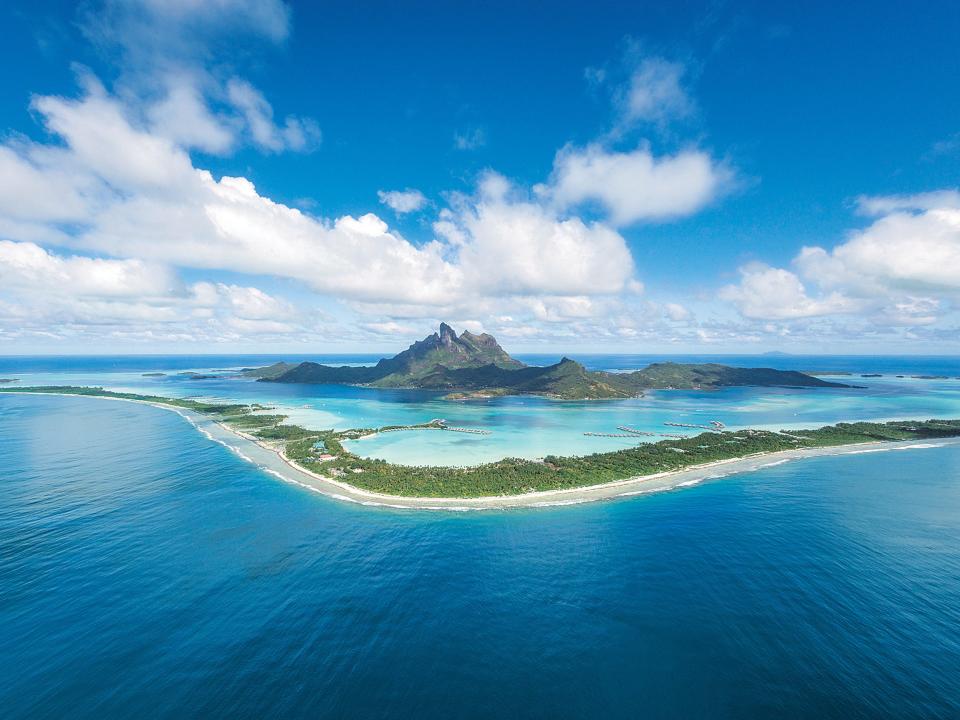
(474, 431)
(614, 435)
(635, 434)
(633, 431)
(714, 426)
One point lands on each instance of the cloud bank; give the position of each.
(902, 269)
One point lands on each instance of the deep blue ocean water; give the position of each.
(147, 572)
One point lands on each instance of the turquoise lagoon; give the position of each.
(530, 427)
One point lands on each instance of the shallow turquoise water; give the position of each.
(145, 571)
(530, 427)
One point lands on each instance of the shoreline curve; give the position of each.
(270, 459)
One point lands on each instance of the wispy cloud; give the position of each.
(944, 148)
(655, 93)
(295, 133)
(470, 139)
(178, 63)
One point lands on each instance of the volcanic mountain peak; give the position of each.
(446, 349)
(447, 334)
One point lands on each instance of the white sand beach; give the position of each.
(269, 457)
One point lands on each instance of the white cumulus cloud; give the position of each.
(44, 293)
(183, 116)
(103, 142)
(159, 208)
(516, 246)
(26, 265)
(636, 186)
(903, 269)
(901, 251)
(777, 294)
(402, 201)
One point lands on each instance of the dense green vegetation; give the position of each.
(513, 475)
(713, 375)
(322, 451)
(270, 371)
(476, 366)
(286, 432)
(255, 422)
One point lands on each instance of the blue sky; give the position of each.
(188, 176)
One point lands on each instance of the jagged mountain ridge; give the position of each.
(471, 363)
(445, 349)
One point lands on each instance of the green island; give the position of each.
(322, 451)
(472, 366)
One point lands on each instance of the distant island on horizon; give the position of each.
(476, 366)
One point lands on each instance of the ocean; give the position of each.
(146, 571)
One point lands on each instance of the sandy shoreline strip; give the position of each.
(270, 459)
